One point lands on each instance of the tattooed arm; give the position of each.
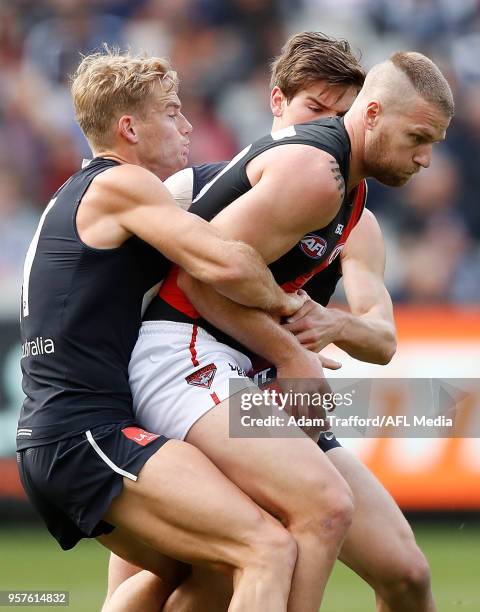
(335, 168)
(296, 189)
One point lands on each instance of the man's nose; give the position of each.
(188, 127)
(423, 157)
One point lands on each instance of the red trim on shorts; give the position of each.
(193, 351)
(214, 396)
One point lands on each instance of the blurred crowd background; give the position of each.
(222, 50)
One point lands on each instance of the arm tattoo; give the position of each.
(338, 177)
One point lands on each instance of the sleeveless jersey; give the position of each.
(216, 186)
(80, 315)
(323, 284)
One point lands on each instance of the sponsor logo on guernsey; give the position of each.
(235, 368)
(140, 436)
(202, 377)
(335, 253)
(38, 346)
(313, 246)
(339, 229)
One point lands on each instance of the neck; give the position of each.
(129, 157)
(277, 124)
(356, 133)
(111, 154)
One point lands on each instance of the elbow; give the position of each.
(387, 351)
(219, 276)
(238, 266)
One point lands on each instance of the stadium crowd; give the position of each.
(221, 50)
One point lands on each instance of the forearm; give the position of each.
(366, 337)
(253, 328)
(249, 282)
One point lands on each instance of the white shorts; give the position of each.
(178, 372)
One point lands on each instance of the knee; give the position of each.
(416, 576)
(274, 547)
(411, 579)
(327, 511)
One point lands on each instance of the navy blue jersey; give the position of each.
(81, 310)
(215, 187)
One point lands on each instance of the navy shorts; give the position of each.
(71, 483)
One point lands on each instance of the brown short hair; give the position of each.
(110, 83)
(308, 57)
(426, 78)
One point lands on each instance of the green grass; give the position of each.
(30, 559)
(453, 552)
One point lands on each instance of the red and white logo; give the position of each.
(140, 436)
(202, 377)
(313, 246)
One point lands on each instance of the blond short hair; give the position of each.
(426, 78)
(111, 83)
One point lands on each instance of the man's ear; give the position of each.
(127, 129)
(372, 114)
(277, 101)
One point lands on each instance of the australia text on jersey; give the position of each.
(38, 346)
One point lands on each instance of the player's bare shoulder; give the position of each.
(365, 243)
(307, 176)
(125, 186)
(113, 194)
(367, 230)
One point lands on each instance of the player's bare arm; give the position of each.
(129, 200)
(275, 343)
(368, 331)
(295, 190)
(269, 204)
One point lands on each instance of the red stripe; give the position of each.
(359, 203)
(171, 293)
(193, 352)
(214, 396)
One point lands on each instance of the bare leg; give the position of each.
(130, 588)
(293, 480)
(186, 508)
(140, 592)
(119, 570)
(202, 591)
(380, 545)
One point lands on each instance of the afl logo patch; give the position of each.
(313, 246)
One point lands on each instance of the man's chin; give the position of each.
(394, 180)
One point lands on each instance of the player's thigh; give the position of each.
(274, 472)
(379, 535)
(183, 506)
